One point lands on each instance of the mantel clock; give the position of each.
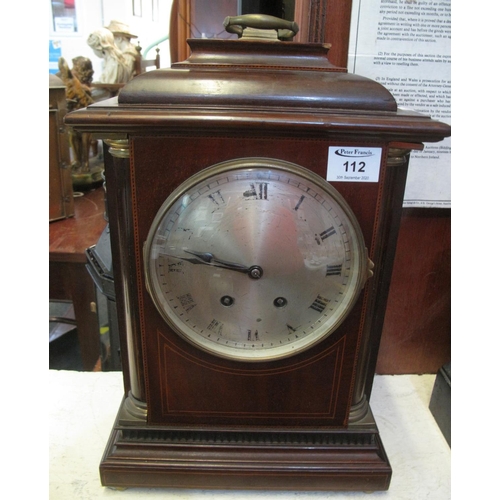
(254, 194)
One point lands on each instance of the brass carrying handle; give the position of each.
(236, 24)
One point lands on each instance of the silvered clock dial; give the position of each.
(255, 259)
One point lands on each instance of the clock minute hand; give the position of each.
(255, 272)
(210, 259)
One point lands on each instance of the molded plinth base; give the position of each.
(138, 455)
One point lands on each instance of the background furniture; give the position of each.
(416, 337)
(143, 64)
(60, 187)
(68, 276)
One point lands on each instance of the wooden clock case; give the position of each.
(190, 419)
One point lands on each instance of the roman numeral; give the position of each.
(319, 303)
(327, 233)
(216, 198)
(175, 267)
(257, 191)
(334, 270)
(215, 326)
(249, 335)
(187, 302)
(299, 203)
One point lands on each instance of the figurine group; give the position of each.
(78, 95)
(120, 56)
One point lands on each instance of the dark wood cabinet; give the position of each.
(417, 329)
(60, 183)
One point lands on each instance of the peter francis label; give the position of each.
(353, 164)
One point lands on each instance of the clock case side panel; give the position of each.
(121, 227)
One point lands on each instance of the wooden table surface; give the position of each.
(69, 238)
(68, 275)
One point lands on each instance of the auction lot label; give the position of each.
(353, 164)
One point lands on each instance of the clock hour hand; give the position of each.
(209, 259)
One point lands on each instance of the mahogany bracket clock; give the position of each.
(254, 194)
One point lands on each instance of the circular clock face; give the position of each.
(255, 259)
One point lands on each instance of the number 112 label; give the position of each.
(353, 164)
